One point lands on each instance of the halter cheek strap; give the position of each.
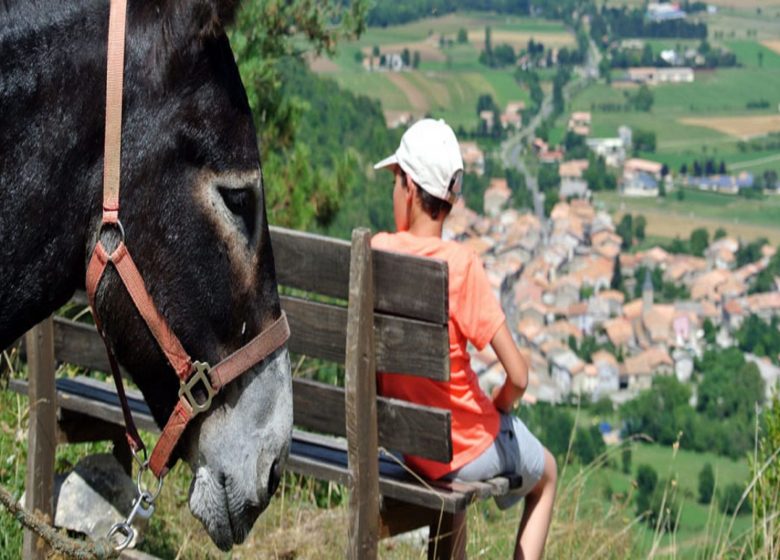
(191, 374)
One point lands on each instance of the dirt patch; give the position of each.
(417, 99)
(772, 44)
(519, 39)
(322, 65)
(741, 127)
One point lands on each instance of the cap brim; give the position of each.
(387, 162)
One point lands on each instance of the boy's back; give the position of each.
(475, 316)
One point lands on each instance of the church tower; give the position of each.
(647, 293)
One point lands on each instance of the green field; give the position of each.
(450, 79)
(697, 521)
(669, 217)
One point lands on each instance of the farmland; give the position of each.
(450, 78)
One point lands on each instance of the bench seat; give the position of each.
(319, 456)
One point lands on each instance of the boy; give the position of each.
(487, 440)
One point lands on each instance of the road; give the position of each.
(513, 147)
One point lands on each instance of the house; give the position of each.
(586, 381)
(579, 123)
(639, 370)
(496, 196)
(613, 150)
(565, 366)
(641, 177)
(473, 158)
(512, 115)
(551, 156)
(683, 364)
(608, 374)
(620, 332)
(572, 182)
(658, 12)
(654, 76)
(487, 117)
(728, 184)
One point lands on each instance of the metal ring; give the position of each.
(142, 464)
(143, 491)
(125, 530)
(118, 225)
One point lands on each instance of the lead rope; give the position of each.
(143, 505)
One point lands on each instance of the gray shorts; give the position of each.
(514, 451)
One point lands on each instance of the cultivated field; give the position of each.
(450, 79)
(670, 218)
(742, 127)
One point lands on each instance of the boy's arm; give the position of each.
(516, 367)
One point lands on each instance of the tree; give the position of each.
(643, 99)
(406, 57)
(261, 38)
(730, 500)
(625, 455)
(625, 230)
(463, 36)
(646, 480)
(710, 333)
(720, 233)
(706, 484)
(375, 50)
(699, 241)
(640, 224)
(416, 60)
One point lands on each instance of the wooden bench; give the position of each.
(370, 311)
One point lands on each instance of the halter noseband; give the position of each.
(190, 373)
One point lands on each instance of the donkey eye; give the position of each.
(242, 203)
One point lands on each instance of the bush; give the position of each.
(706, 484)
(730, 497)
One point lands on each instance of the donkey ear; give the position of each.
(195, 19)
(211, 16)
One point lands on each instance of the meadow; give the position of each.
(306, 519)
(670, 217)
(450, 78)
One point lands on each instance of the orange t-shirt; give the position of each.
(475, 315)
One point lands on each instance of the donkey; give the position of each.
(192, 209)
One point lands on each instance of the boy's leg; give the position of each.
(537, 513)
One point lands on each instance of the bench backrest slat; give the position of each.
(413, 429)
(404, 285)
(318, 331)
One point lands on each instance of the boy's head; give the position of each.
(429, 155)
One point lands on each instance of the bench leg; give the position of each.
(448, 537)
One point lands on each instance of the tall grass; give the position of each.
(308, 518)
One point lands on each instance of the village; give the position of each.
(567, 285)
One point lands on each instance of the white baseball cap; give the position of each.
(429, 153)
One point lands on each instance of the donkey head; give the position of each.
(193, 211)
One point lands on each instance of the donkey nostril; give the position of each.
(274, 477)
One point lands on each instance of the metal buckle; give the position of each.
(202, 374)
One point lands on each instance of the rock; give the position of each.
(94, 496)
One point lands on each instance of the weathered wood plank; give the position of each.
(405, 285)
(42, 439)
(403, 427)
(317, 330)
(79, 395)
(360, 403)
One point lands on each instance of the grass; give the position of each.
(449, 80)
(669, 217)
(586, 523)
